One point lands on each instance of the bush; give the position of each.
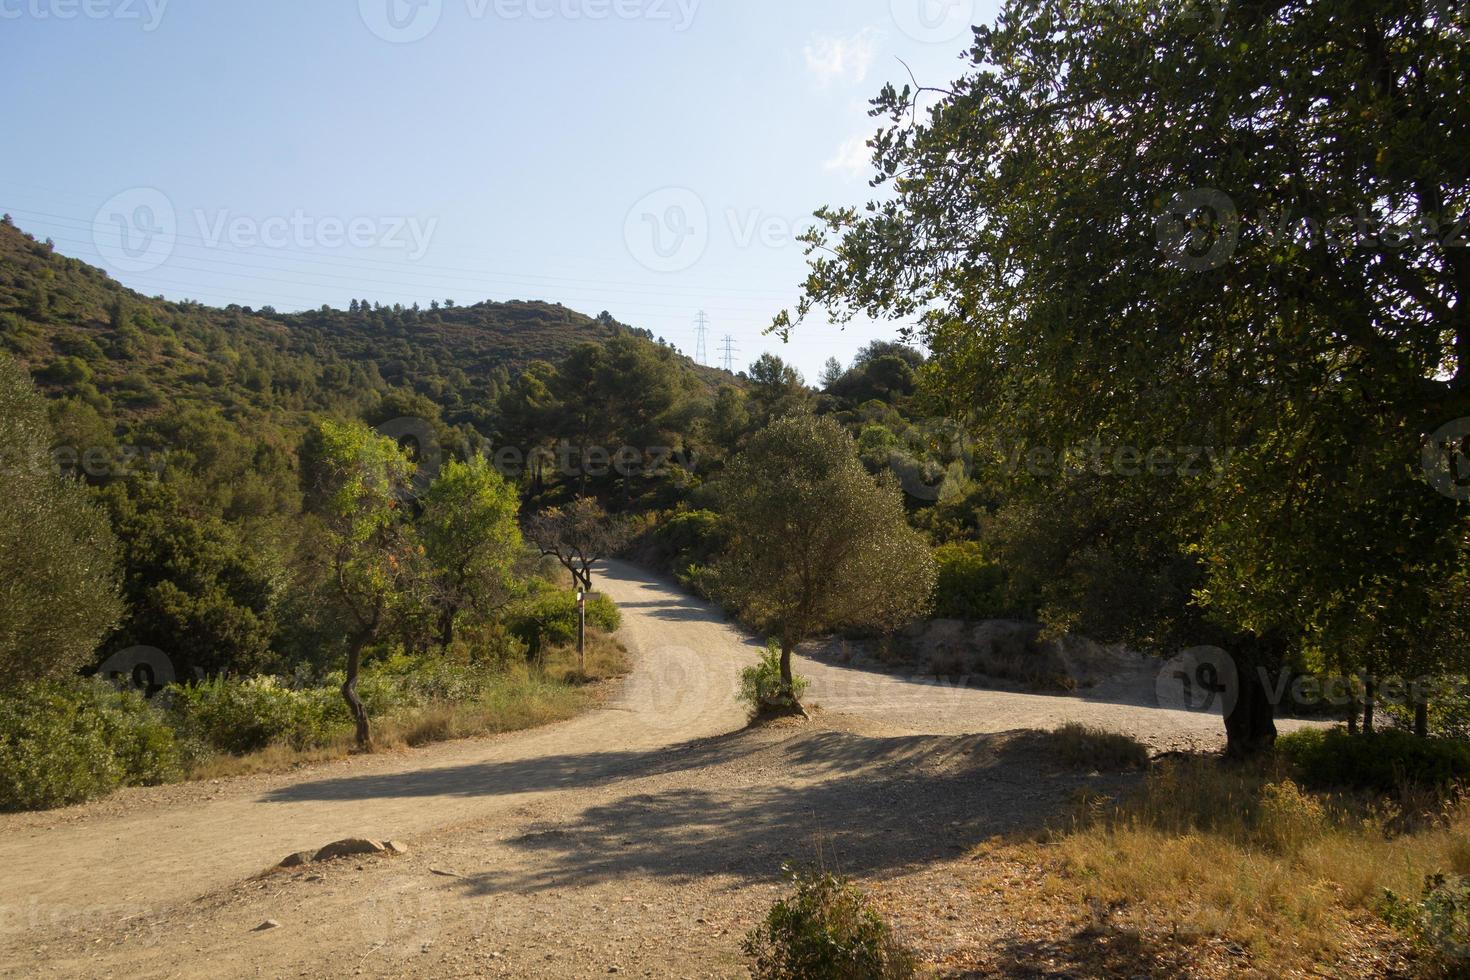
(552, 615)
(760, 685)
(1082, 747)
(1287, 818)
(237, 716)
(691, 537)
(826, 931)
(67, 742)
(1439, 920)
(1381, 762)
(969, 586)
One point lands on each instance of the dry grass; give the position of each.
(1201, 851)
(1079, 746)
(529, 696)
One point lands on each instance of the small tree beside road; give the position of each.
(578, 535)
(816, 543)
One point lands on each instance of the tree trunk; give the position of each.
(349, 688)
(1250, 726)
(1421, 718)
(446, 628)
(1370, 697)
(582, 631)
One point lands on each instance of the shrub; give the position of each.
(760, 685)
(552, 614)
(969, 586)
(1287, 818)
(691, 537)
(238, 716)
(67, 742)
(1382, 762)
(143, 742)
(1082, 747)
(1439, 920)
(826, 931)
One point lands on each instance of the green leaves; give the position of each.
(815, 542)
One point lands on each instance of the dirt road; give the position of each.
(596, 844)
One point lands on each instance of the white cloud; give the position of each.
(841, 59)
(853, 157)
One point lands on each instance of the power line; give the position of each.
(701, 330)
(729, 353)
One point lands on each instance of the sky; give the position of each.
(651, 158)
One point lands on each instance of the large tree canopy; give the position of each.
(1161, 226)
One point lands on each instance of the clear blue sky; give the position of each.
(648, 157)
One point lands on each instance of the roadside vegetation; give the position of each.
(1250, 854)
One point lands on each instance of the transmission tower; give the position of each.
(701, 330)
(729, 353)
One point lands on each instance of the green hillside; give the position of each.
(82, 334)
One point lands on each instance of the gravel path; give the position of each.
(601, 843)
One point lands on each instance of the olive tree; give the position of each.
(60, 595)
(1238, 227)
(472, 539)
(358, 482)
(816, 543)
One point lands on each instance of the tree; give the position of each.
(578, 535)
(358, 479)
(1156, 229)
(60, 596)
(193, 587)
(777, 390)
(816, 543)
(832, 373)
(471, 539)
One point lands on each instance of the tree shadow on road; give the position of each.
(864, 805)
